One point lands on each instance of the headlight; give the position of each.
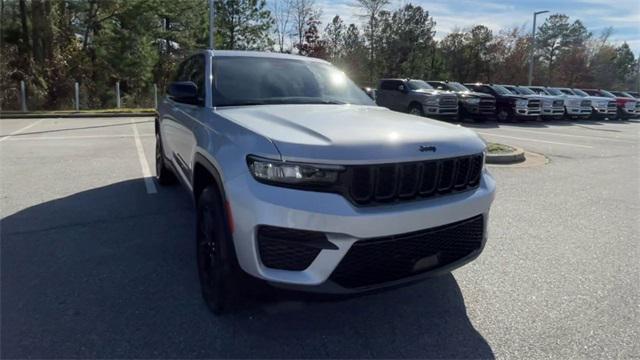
(472, 100)
(522, 103)
(293, 174)
(431, 100)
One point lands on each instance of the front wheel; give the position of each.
(416, 109)
(503, 115)
(216, 258)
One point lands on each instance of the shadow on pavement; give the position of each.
(110, 272)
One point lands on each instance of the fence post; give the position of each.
(155, 96)
(77, 91)
(118, 94)
(23, 96)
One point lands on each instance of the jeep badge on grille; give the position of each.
(424, 148)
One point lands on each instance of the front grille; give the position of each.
(448, 101)
(585, 103)
(290, 249)
(487, 105)
(380, 260)
(385, 183)
(534, 104)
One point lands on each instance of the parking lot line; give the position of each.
(535, 140)
(144, 165)
(569, 135)
(75, 137)
(21, 130)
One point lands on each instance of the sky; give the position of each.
(596, 15)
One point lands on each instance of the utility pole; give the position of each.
(212, 25)
(533, 44)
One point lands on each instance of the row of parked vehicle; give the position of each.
(478, 101)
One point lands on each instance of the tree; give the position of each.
(243, 24)
(302, 11)
(312, 45)
(335, 33)
(354, 52)
(281, 10)
(370, 11)
(406, 40)
(624, 63)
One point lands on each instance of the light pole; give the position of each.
(212, 25)
(533, 44)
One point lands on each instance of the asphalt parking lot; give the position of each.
(97, 261)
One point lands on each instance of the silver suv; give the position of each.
(301, 181)
(416, 97)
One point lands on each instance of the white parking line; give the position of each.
(21, 130)
(536, 140)
(568, 135)
(75, 137)
(144, 165)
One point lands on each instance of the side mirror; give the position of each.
(370, 92)
(402, 88)
(184, 91)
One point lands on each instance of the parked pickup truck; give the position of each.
(509, 106)
(631, 94)
(601, 107)
(552, 106)
(574, 105)
(625, 105)
(476, 105)
(300, 180)
(416, 97)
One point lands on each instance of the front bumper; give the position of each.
(438, 110)
(577, 110)
(553, 111)
(254, 204)
(527, 111)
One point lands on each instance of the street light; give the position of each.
(533, 44)
(212, 25)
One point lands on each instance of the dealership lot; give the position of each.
(97, 260)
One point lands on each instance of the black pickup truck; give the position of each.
(509, 106)
(475, 105)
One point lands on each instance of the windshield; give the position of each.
(605, 93)
(456, 86)
(501, 90)
(621, 94)
(553, 91)
(525, 91)
(580, 92)
(258, 80)
(419, 84)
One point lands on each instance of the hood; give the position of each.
(598, 98)
(353, 134)
(473, 94)
(514, 96)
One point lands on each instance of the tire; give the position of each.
(503, 115)
(164, 175)
(416, 109)
(217, 264)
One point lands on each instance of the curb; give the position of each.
(508, 158)
(72, 115)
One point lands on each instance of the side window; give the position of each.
(192, 69)
(386, 85)
(196, 74)
(179, 75)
